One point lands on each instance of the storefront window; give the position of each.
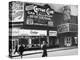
(43, 38)
(35, 41)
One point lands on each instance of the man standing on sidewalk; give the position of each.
(16, 49)
(44, 48)
(21, 50)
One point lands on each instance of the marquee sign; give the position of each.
(37, 15)
(73, 27)
(63, 28)
(67, 27)
(37, 10)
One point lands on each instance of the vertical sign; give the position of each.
(67, 12)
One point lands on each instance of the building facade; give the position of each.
(68, 29)
(31, 24)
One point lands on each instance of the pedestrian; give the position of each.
(44, 48)
(10, 49)
(21, 50)
(16, 49)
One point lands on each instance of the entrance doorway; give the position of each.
(52, 41)
(68, 41)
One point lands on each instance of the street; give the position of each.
(52, 54)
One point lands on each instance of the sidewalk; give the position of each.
(40, 51)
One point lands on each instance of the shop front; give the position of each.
(30, 38)
(67, 39)
(67, 35)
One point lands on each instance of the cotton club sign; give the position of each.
(38, 15)
(38, 10)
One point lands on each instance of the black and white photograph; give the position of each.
(42, 30)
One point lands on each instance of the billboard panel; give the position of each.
(16, 11)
